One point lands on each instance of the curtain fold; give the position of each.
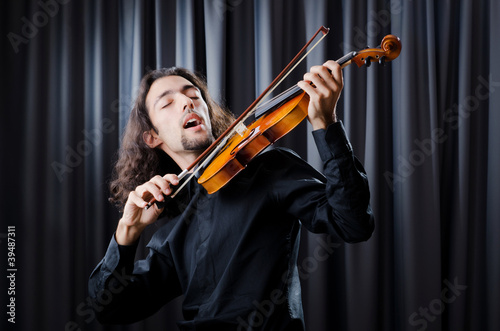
(492, 256)
(424, 126)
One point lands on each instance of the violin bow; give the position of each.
(216, 146)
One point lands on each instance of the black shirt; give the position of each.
(233, 254)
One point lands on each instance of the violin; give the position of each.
(236, 147)
(277, 118)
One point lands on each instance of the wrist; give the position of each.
(127, 234)
(323, 123)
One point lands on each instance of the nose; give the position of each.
(187, 103)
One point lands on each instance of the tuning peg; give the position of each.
(382, 60)
(368, 61)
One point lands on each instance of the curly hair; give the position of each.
(137, 162)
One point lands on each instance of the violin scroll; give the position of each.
(389, 49)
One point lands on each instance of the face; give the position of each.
(179, 113)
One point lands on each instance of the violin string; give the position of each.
(274, 102)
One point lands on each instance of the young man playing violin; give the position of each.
(235, 251)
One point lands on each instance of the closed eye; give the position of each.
(193, 97)
(192, 93)
(166, 105)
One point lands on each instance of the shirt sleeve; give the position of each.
(332, 142)
(117, 284)
(336, 202)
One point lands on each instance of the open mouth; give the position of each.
(192, 121)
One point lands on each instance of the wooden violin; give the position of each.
(278, 117)
(234, 149)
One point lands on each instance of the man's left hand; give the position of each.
(323, 84)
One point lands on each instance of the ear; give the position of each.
(151, 139)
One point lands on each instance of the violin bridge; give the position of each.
(240, 128)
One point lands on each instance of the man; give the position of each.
(233, 252)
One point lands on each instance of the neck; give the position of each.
(184, 160)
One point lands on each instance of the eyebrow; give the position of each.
(167, 92)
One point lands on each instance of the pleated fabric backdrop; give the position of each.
(425, 126)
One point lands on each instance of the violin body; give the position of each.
(263, 132)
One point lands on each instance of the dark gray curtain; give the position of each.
(426, 127)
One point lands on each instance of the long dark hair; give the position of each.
(137, 162)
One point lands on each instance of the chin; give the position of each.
(199, 144)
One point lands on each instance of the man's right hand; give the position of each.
(136, 216)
